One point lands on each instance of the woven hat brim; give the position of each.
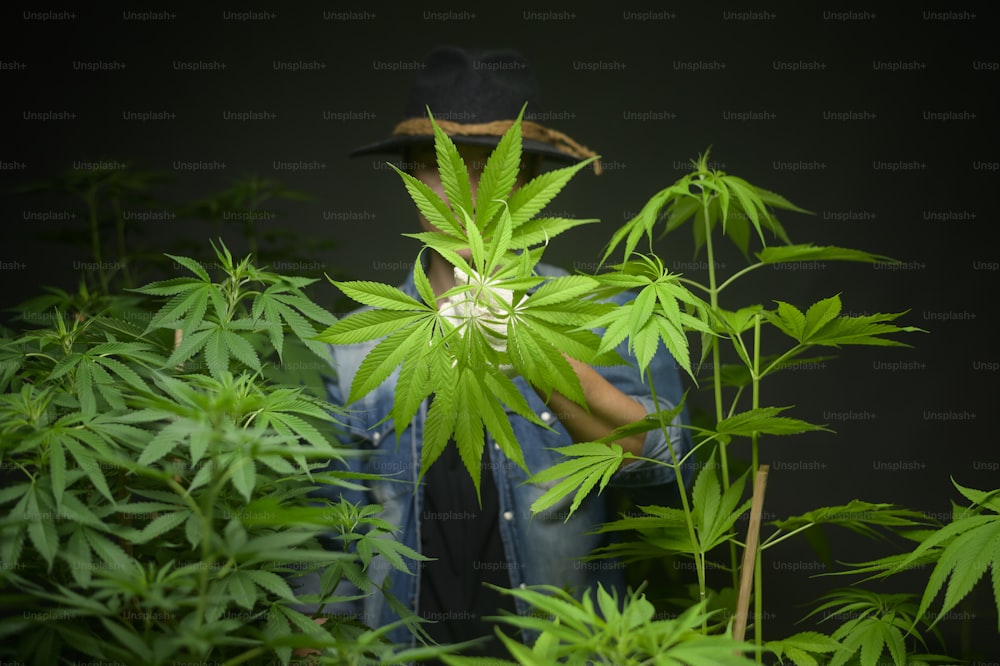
(396, 144)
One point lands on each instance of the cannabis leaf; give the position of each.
(738, 204)
(662, 310)
(875, 623)
(964, 550)
(801, 647)
(615, 631)
(454, 361)
(823, 325)
(593, 463)
(713, 509)
(809, 252)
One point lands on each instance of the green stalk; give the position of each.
(755, 396)
(738, 274)
(685, 505)
(774, 539)
(758, 582)
(714, 301)
(713, 293)
(758, 607)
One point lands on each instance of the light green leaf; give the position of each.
(192, 266)
(242, 589)
(500, 173)
(788, 319)
(271, 582)
(164, 441)
(591, 463)
(533, 196)
(160, 526)
(819, 314)
(430, 204)
(764, 420)
(808, 252)
(379, 363)
(244, 477)
(57, 467)
(559, 290)
(367, 325)
(41, 529)
(454, 175)
(241, 350)
(378, 295)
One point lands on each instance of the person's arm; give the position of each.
(609, 409)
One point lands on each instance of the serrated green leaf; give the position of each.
(808, 252)
(819, 314)
(160, 526)
(57, 468)
(590, 463)
(422, 284)
(165, 440)
(533, 196)
(764, 420)
(499, 174)
(863, 330)
(990, 500)
(241, 587)
(543, 229)
(244, 477)
(559, 290)
(192, 266)
(367, 325)
(271, 582)
(109, 552)
(41, 529)
(788, 319)
(430, 204)
(380, 362)
(378, 295)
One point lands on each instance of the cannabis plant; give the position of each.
(156, 477)
(547, 318)
(714, 201)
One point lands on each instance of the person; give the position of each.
(475, 96)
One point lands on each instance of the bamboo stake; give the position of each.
(750, 554)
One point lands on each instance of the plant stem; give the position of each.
(755, 396)
(740, 273)
(758, 579)
(758, 607)
(714, 301)
(777, 362)
(713, 294)
(773, 540)
(685, 505)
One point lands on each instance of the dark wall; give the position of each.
(881, 119)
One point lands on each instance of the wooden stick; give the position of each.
(750, 554)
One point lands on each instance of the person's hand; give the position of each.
(489, 310)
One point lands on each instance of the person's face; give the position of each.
(424, 168)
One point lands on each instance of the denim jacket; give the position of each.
(540, 549)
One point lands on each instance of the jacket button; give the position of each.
(546, 416)
(508, 515)
(376, 436)
(523, 586)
